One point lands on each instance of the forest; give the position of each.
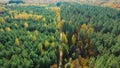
(62, 35)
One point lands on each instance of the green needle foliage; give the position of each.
(31, 36)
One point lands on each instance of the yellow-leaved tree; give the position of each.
(84, 26)
(37, 17)
(17, 42)
(26, 25)
(16, 25)
(8, 29)
(73, 39)
(63, 38)
(35, 32)
(53, 44)
(2, 20)
(44, 20)
(46, 43)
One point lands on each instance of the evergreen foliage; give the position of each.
(31, 36)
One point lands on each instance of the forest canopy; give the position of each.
(69, 35)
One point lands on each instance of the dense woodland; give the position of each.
(32, 36)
